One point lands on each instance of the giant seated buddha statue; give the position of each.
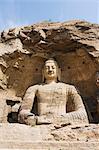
(57, 102)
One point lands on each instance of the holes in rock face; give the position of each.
(36, 69)
(68, 67)
(83, 62)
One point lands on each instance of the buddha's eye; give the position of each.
(47, 67)
(53, 67)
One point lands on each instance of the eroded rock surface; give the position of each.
(48, 137)
(23, 51)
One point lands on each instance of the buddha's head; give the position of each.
(51, 70)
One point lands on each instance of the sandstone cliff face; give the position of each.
(74, 45)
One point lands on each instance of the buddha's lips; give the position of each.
(50, 73)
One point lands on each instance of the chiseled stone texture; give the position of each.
(44, 137)
(73, 44)
(23, 50)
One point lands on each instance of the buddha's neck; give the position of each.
(50, 81)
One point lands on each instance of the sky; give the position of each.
(15, 13)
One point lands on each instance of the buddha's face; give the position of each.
(50, 70)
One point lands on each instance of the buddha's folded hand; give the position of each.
(43, 120)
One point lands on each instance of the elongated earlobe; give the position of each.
(43, 75)
(59, 74)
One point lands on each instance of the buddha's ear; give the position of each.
(43, 75)
(59, 74)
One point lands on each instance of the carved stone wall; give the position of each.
(73, 44)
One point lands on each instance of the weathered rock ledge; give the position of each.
(18, 136)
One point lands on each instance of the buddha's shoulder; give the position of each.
(59, 84)
(66, 85)
(33, 87)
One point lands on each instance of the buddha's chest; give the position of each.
(52, 95)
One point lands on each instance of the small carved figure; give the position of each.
(57, 102)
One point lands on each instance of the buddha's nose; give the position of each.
(50, 69)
